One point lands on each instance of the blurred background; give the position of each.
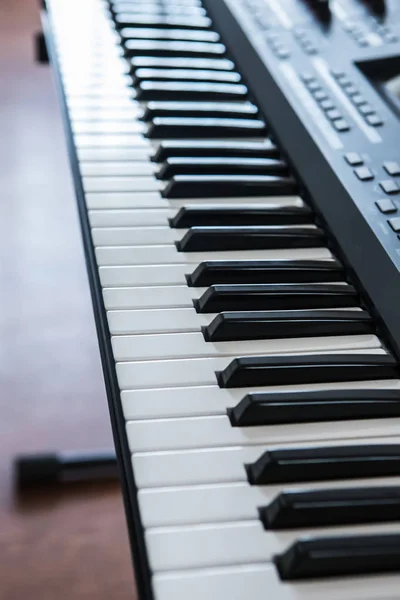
(68, 543)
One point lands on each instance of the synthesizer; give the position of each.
(237, 173)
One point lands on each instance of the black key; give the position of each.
(158, 62)
(263, 408)
(327, 463)
(268, 271)
(192, 215)
(186, 75)
(191, 90)
(181, 165)
(218, 148)
(183, 128)
(279, 370)
(261, 325)
(263, 237)
(228, 110)
(220, 186)
(324, 508)
(147, 33)
(340, 556)
(219, 298)
(163, 48)
(165, 22)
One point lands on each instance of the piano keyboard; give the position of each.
(261, 402)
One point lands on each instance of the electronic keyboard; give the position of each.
(237, 172)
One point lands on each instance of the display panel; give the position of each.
(384, 75)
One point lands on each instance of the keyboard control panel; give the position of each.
(339, 64)
(327, 76)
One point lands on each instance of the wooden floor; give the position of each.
(69, 545)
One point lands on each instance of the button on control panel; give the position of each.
(353, 159)
(364, 173)
(390, 187)
(392, 168)
(326, 103)
(365, 109)
(386, 206)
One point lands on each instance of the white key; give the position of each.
(164, 403)
(168, 254)
(115, 169)
(87, 74)
(165, 373)
(110, 141)
(136, 236)
(99, 103)
(100, 91)
(244, 542)
(152, 297)
(108, 127)
(217, 431)
(107, 155)
(88, 96)
(214, 465)
(114, 83)
(196, 504)
(112, 66)
(89, 64)
(124, 115)
(83, 82)
(178, 372)
(147, 275)
(109, 207)
(128, 200)
(108, 236)
(156, 321)
(121, 184)
(193, 345)
(261, 581)
(95, 55)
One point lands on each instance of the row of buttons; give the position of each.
(391, 166)
(386, 34)
(303, 38)
(325, 102)
(363, 37)
(365, 109)
(359, 33)
(278, 48)
(261, 14)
